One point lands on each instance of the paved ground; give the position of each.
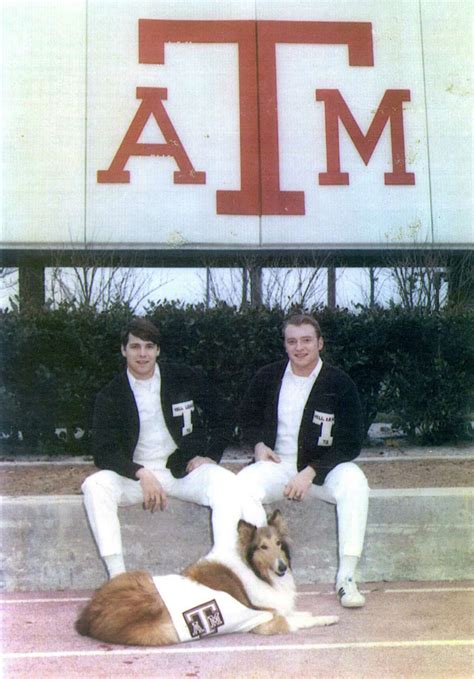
(406, 630)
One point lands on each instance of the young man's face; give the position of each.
(141, 357)
(302, 346)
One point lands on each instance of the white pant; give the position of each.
(345, 486)
(208, 485)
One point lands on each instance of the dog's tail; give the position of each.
(82, 624)
(127, 610)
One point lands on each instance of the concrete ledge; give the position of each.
(412, 534)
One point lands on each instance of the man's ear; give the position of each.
(122, 350)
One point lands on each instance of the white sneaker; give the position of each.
(348, 594)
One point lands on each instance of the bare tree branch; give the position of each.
(101, 282)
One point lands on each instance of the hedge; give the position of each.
(416, 367)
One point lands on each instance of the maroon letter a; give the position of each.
(151, 106)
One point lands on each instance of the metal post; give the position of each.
(255, 286)
(332, 287)
(31, 287)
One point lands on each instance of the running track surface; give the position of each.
(406, 630)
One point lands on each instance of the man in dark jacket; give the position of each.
(302, 418)
(159, 430)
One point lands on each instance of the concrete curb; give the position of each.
(412, 534)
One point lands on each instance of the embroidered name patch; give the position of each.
(204, 619)
(185, 409)
(326, 421)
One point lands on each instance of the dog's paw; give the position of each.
(304, 620)
(326, 620)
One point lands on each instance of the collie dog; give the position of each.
(250, 589)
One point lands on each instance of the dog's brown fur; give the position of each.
(129, 610)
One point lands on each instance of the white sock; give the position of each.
(347, 566)
(115, 564)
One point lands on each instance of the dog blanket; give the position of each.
(198, 611)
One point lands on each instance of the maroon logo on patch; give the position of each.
(204, 619)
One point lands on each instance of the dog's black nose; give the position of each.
(281, 567)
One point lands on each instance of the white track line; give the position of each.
(413, 590)
(430, 589)
(240, 649)
(44, 601)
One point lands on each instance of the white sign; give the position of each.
(237, 125)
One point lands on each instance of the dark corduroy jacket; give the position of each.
(331, 429)
(116, 423)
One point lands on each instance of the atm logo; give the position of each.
(260, 192)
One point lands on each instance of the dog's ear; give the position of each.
(277, 521)
(246, 531)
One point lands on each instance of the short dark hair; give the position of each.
(142, 328)
(302, 319)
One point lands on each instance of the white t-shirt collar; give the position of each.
(312, 375)
(135, 383)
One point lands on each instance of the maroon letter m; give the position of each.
(390, 109)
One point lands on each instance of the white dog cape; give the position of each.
(198, 611)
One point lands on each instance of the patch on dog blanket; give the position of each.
(198, 611)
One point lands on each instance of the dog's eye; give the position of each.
(278, 543)
(263, 546)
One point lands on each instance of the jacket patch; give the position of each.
(185, 409)
(326, 422)
(203, 620)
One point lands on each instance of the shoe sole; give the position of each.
(352, 605)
